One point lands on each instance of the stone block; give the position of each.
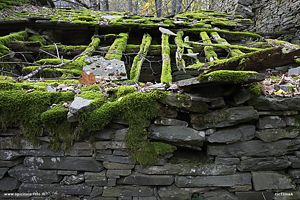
(9, 154)
(118, 172)
(115, 159)
(223, 118)
(227, 161)
(218, 195)
(66, 172)
(78, 153)
(110, 145)
(111, 182)
(240, 179)
(295, 173)
(9, 184)
(96, 191)
(95, 179)
(292, 120)
(18, 143)
(72, 180)
(3, 171)
(261, 164)
(144, 198)
(78, 104)
(271, 135)
(11, 163)
(170, 122)
(275, 104)
(233, 134)
(176, 134)
(271, 181)
(31, 175)
(127, 191)
(48, 189)
(121, 152)
(111, 165)
(64, 163)
(142, 179)
(104, 134)
(174, 193)
(255, 195)
(40, 152)
(254, 148)
(188, 169)
(295, 161)
(272, 122)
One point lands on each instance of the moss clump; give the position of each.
(89, 88)
(118, 47)
(59, 128)
(19, 107)
(255, 89)
(90, 95)
(227, 76)
(136, 108)
(121, 91)
(166, 74)
(247, 34)
(37, 38)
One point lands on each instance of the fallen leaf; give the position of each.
(87, 79)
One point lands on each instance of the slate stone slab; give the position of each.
(48, 189)
(227, 161)
(142, 179)
(118, 172)
(271, 135)
(3, 171)
(9, 184)
(111, 165)
(239, 179)
(17, 143)
(9, 154)
(96, 191)
(78, 104)
(40, 152)
(254, 148)
(115, 159)
(223, 118)
(218, 195)
(72, 180)
(292, 120)
(64, 163)
(30, 175)
(127, 191)
(170, 122)
(188, 169)
(232, 134)
(265, 122)
(295, 173)
(104, 134)
(174, 193)
(176, 134)
(11, 163)
(110, 145)
(113, 69)
(276, 103)
(255, 195)
(271, 181)
(295, 161)
(260, 164)
(95, 179)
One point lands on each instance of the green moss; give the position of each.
(166, 74)
(37, 38)
(18, 107)
(89, 88)
(63, 48)
(247, 34)
(90, 95)
(86, 18)
(118, 47)
(255, 89)
(211, 118)
(237, 77)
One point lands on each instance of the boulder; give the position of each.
(271, 181)
(267, 163)
(31, 175)
(254, 148)
(64, 163)
(176, 134)
(223, 118)
(232, 134)
(275, 103)
(78, 104)
(240, 179)
(271, 135)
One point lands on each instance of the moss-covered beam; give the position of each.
(179, 52)
(235, 33)
(286, 46)
(166, 73)
(4, 40)
(191, 53)
(218, 39)
(210, 54)
(118, 47)
(140, 57)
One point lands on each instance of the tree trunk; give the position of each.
(130, 6)
(158, 7)
(136, 7)
(105, 5)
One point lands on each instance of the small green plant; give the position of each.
(197, 196)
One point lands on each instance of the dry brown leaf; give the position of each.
(87, 79)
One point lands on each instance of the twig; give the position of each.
(188, 6)
(13, 53)
(48, 53)
(56, 50)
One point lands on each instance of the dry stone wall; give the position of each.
(272, 18)
(239, 149)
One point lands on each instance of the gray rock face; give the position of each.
(9, 184)
(189, 169)
(240, 179)
(186, 103)
(233, 134)
(142, 179)
(8, 154)
(271, 181)
(78, 104)
(223, 118)
(127, 191)
(276, 103)
(64, 163)
(265, 122)
(170, 122)
(176, 134)
(260, 164)
(49, 189)
(271, 135)
(29, 175)
(253, 148)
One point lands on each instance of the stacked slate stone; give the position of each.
(229, 146)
